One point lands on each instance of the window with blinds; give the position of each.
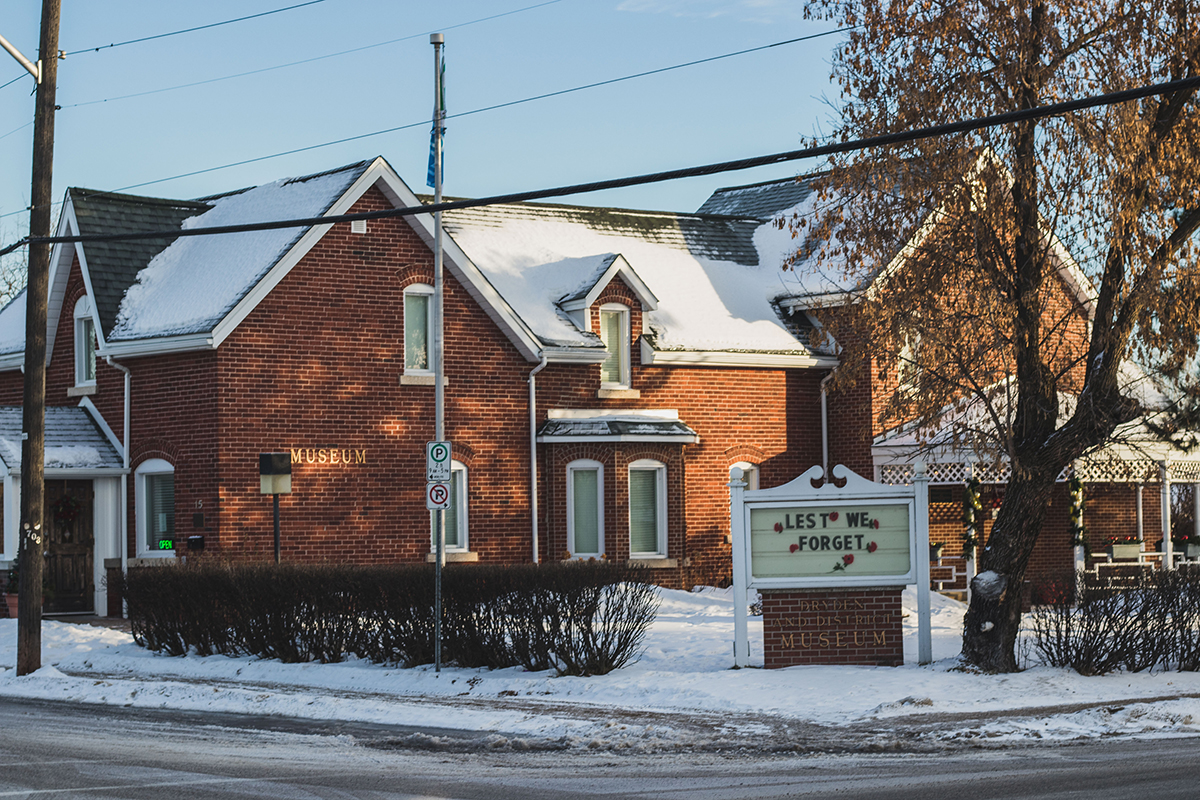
(646, 513)
(614, 332)
(160, 510)
(585, 514)
(85, 350)
(456, 516)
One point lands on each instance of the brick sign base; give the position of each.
(832, 626)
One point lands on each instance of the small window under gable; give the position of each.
(614, 332)
(85, 343)
(418, 329)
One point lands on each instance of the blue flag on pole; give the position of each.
(439, 126)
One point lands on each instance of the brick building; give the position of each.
(605, 369)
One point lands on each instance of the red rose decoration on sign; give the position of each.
(779, 527)
(833, 515)
(794, 548)
(875, 524)
(848, 559)
(872, 547)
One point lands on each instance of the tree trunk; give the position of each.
(994, 617)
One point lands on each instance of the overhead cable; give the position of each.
(883, 140)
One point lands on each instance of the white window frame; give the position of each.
(749, 474)
(622, 346)
(420, 290)
(457, 468)
(149, 467)
(84, 320)
(581, 465)
(660, 471)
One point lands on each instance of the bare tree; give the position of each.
(1015, 268)
(14, 269)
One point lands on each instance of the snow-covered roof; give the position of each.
(73, 440)
(717, 289)
(191, 285)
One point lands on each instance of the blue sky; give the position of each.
(748, 105)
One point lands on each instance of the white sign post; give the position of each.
(798, 536)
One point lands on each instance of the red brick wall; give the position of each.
(317, 365)
(832, 626)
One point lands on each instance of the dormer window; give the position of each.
(614, 332)
(85, 344)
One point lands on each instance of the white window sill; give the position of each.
(421, 379)
(152, 560)
(618, 394)
(653, 562)
(453, 557)
(81, 391)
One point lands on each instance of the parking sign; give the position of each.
(437, 462)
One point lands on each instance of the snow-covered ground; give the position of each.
(684, 672)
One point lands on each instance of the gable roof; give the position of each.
(715, 291)
(707, 283)
(113, 266)
(73, 441)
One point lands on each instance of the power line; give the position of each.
(461, 114)
(883, 140)
(307, 60)
(189, 30)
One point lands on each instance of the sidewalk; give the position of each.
(682, 693)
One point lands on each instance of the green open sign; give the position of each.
(166, 544)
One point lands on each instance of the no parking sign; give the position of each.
(437, 496)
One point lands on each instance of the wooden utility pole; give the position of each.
(33, 445)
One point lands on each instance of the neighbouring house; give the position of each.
(605, 369)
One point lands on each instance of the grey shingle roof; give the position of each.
(759, 200)
(607, 429)
(73, 441)
(113, 266)
(719, 240)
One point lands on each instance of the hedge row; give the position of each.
(582, 618)
(1145, 619)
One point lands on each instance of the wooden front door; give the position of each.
(69, 546)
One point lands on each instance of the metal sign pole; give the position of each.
(439, 520)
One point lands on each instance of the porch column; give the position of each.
(1141, 522)
(1165, 504)
(1196, 510)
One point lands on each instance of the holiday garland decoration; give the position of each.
(1078, 531)
(971, 505)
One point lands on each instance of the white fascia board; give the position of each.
(620, 266)
(575, 355)
(469, 275)
(810, 302)
(61, 256)
(87, 405)
(85, 472)
(682, 438)
(12, 361)
(164, 344)
(720, 358)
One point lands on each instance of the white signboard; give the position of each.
(801, 536)
(437, 462)
(437, 496)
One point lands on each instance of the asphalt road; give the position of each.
(67, 751)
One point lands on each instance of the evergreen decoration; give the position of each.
(66, 509)
(1078, 531)
(971, 509)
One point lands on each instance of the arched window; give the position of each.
(85, 343)
(585, 508)
(418, 329)
(647, 509)
(749, 473)
(456, 515)
(154, 497)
